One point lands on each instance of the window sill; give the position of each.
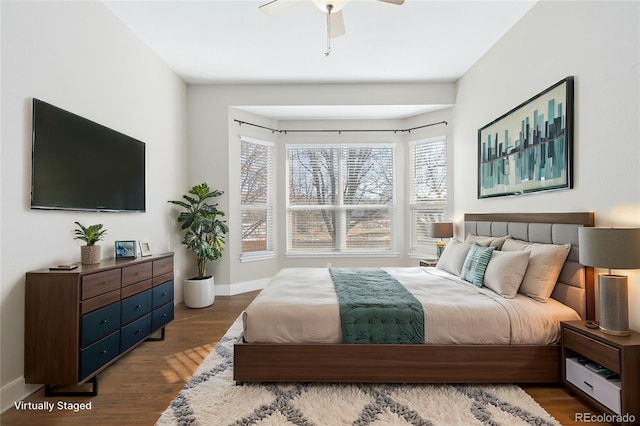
(254, 257)
(341, 254)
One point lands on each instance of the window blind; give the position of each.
(341, 198)
(256, 193)
(428, 192)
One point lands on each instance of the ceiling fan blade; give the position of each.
(275, 6)
(337, 24)
(398, 2)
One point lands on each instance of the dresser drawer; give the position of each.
(99, 323)
(136, 288)
(136, 273)
(591, 383)
(100, 282)
(162, 294)
(98, 354)
(603, 354)
(135, 332)
(162, 266)
(98, 302)
(136, 306)
(162, 278)
(162, 316)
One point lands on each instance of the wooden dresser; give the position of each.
(78, 322)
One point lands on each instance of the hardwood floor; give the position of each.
(139, 387)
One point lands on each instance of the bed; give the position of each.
(470, 357)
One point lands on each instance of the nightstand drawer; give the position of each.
(603, 354)
(597, 387)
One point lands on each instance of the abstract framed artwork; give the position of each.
(530, 148)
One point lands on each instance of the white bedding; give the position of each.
(300, 305)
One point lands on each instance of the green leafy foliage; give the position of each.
(89, 234)
(205, 231)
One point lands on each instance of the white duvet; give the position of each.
(300, 305)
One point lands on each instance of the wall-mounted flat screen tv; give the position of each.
(78, 164)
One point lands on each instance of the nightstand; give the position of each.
(618, 354)
(428, 262)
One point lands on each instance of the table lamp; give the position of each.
(611, 248)
(441, 230)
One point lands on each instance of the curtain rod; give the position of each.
(240, 122)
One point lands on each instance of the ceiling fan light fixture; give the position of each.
(336, 5)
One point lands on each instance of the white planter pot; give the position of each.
(199, 293)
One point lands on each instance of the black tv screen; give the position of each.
(78, 164)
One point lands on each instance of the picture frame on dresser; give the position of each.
(530, 148)
(126, 249)
(145, 249)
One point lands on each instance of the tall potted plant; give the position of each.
(89, 253)
(204, 236)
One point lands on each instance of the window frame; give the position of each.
(425, 247)
(268, 206)
(340, 248)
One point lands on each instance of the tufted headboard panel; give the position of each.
(575, 283)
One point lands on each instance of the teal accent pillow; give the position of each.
(476, 263)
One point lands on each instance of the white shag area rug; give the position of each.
(211, 398)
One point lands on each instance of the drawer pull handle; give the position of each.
(588, 384)
(138, 306)
(164, 293)
(138, 330)
(164, 315)
(104, 321)
(103, 352)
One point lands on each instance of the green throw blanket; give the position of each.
(376, 308)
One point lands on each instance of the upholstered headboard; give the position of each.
(575, 283)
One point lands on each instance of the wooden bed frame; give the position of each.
(382, 363)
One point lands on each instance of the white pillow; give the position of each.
(453, 256)
(505, 272)
(486, 241)
(545, 264)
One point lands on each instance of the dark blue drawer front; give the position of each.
(161, 316)
(99, 323)
(136, 306)
(98, 354)
(135, 332)
(162, 294)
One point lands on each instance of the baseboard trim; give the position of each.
(15, 391)
(239, 288)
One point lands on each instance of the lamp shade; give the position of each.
(612, 248)
(442, 230)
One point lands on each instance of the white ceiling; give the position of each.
(228, 42)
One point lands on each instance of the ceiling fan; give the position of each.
(332, 9)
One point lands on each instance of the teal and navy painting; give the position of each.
(529, 148)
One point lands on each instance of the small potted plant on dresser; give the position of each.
(89, 253)
(204, 236)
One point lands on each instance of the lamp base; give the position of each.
(614, 305)
(439, 248)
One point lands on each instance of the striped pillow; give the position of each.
(475, 264)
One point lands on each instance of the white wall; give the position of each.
(215, 156)
(598, 42)
(79, 56)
